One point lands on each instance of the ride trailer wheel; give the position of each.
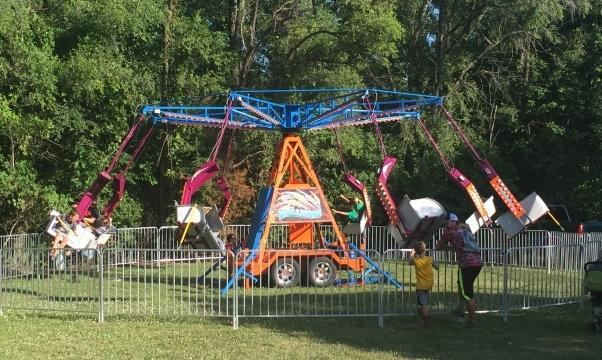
(286, 273)
(322, 272)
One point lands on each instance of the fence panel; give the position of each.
(33, 279)
(136, 238)
(155, 278)
(28, 241)
(167, 238)
(534, 280)
(593, 247)
(377, 238)
(488, 286)
(133, 238)
(564, 238)
(491, 238)
(276, 293)
(240, 232)
(487, 238)
(183, 282)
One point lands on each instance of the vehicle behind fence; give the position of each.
(143, 272)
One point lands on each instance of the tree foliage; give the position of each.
(522, 77)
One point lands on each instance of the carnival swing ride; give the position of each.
(293, 196)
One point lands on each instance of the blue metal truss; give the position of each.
(298, 110)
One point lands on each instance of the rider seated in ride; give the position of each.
(70, 234)
(92, 215)
(354, 214)
(63, 229)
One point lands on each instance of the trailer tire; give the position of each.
(286, 272)
(322, 272)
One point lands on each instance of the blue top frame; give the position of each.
(298, 110)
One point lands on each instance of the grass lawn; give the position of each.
(554, 333)
(173, 289)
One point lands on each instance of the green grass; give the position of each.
(554, 333)
(171, 289)
(178, 327)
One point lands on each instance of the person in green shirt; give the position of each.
(354, 214)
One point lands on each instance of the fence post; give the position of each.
(235, 288)
(548, 247)
(1, 276)
(588, 241)
(101, 304)
(158, 245)
(580, 270)
(381, 290)
(505, 302)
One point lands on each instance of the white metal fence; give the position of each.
(23, 241)
(488, 285)
(142, 273)
(376, 238)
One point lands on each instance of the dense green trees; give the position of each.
(523, 78)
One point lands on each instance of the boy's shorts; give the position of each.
(422, 297)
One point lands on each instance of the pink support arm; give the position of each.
(118, 192)
(225, 188)
(200, 177)
(352, 181)
(90, 195)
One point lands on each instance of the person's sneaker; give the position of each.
(470, 324)
(458, 312)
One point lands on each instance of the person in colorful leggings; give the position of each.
(459, 238)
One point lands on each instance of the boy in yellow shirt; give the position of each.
(424, 279)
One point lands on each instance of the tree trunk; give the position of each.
(167, 39)
(442, 32)
(415, 48)
(237, 12)
(524, 100)
(160, 200)
(245, 66)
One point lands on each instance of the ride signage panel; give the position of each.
(298, 205)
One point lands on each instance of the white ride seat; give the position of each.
(356, 228)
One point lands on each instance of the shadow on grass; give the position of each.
(176, 280)
(259, 300)
(225, 321)
(48, 297)
(59, 298)
(559, 332)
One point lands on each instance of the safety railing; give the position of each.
(169, 282)
(593, 248)
(22, 241)
(444, 295)
(167, 238)
(376, 238)
(495, 238)
(136, 238)
(166, 288)
(298, 285)
(554, 279)
(65, 281)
